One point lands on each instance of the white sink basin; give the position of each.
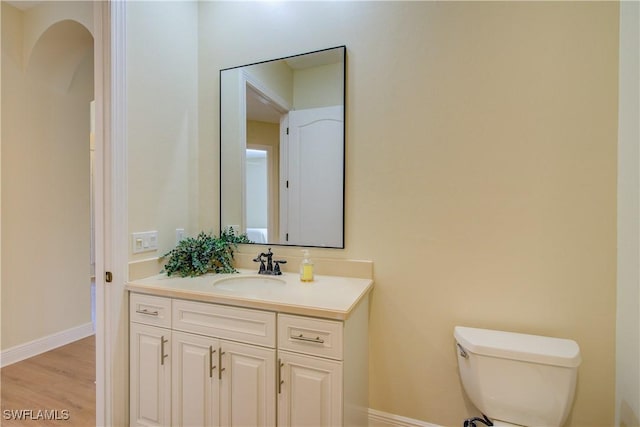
(243, 283)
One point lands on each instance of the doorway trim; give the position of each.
(111, 213)
(247, 80)
(272, 184)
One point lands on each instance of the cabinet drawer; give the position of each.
(310, 336)
(150, 310)
(233, 323)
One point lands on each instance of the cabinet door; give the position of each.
(150, 376)
(247, 386)
(310, 393)
(195, 394)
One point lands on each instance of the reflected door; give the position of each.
(314, 211)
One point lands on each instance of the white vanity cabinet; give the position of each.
(195, 384)
(203, 359)
(189, 375)
(150, 375)
(322, 370)
(310, 391)
(217, 381)
(150, 359)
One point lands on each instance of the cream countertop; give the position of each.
(330, 297)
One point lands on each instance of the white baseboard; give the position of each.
(384, 419)
(41, 345)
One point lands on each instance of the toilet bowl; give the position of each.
(517, 379)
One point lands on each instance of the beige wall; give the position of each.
(277, 76)
(45, 171)
(481, 174)
(232, 126)
(162, 78)
(318, 86)
(628, 299)
(1, 60)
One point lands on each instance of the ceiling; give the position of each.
(260, 108)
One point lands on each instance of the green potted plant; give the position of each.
(205, 253)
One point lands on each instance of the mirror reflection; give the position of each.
(282, 149)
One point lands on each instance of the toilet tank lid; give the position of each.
(515, 346)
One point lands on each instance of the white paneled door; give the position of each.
(314, 171)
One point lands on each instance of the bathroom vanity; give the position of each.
(243, 349)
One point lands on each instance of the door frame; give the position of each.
(111, 213)
(245, 80)
(272, 188)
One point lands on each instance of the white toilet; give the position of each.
(518, 379)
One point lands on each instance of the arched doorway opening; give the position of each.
(47, 88)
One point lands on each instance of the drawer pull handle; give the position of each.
(163, 356)
(220, 369)
(280, 380)
(147, 312)
(211, 365)
(316, 340)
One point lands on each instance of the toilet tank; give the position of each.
(521, 379)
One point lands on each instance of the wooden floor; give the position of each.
(56, 388)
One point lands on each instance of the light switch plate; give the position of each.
(145, 241)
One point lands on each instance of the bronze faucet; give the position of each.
(272, 267)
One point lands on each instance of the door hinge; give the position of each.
(287, 131)
(108, 276)
(287, 183)
(286, 237)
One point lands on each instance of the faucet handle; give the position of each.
(276, 267)
(261, 261)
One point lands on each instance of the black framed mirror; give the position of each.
(282, 139)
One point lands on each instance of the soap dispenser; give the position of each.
(306, 268)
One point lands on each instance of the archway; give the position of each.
(47, 90)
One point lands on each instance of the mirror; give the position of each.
(282, 149)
